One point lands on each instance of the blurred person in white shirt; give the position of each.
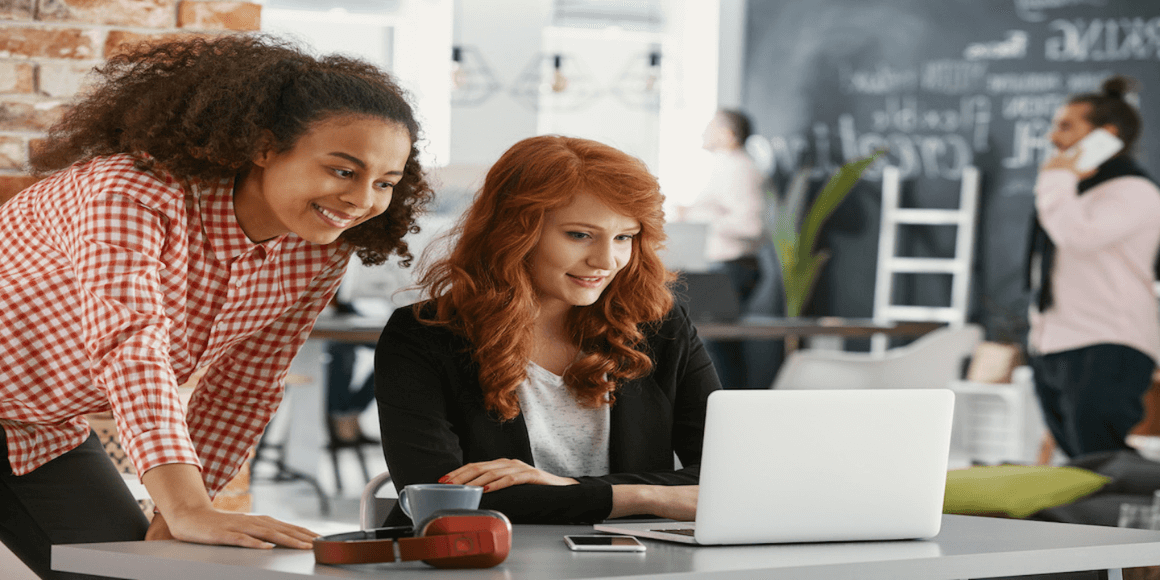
(732, 203)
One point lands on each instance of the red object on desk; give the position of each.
(450, 539)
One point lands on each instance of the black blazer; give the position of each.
(433, 419)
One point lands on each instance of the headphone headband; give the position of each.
(448, 539)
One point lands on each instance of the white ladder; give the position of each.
(959, 267)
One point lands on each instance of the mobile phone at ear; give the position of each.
(603, 543)
(1096, 148)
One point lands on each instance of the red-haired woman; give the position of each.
(550, 365)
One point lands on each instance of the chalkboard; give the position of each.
(942, 84)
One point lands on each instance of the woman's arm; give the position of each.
(118, 249)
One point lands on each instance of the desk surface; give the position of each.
(967, 547)
(366, 329)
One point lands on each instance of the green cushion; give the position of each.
(1017, 490)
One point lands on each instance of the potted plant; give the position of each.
(795, 238)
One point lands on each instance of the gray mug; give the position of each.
(420, 500)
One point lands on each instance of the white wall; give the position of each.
(701, 47)
(400, 36)
(507, 33)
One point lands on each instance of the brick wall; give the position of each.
(48, 46)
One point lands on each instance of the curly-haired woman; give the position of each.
(550, 365)
(199, 208)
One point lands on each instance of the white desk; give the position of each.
(967, 547)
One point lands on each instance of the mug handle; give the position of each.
(403, 502)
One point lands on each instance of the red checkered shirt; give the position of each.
(116, 285)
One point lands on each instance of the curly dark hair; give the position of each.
(203, 108)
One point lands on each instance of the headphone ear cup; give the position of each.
(488, 523)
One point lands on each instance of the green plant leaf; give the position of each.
(800, 266)
(827, 201)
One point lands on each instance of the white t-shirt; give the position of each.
(567, 439)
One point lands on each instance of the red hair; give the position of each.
(483, 290)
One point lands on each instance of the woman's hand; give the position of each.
(501, 473)
(675, 502)
(189, 515)
(211, 526)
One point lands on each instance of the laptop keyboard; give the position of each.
(678, 531)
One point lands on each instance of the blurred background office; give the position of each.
(960, 94)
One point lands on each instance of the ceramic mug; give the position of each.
(420, 500)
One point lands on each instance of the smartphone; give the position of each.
(1095, 148)
(603, 543)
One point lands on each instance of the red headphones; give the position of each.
(447, 539)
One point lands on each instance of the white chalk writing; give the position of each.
(1032, 10)
(1110, 39)
(1013, 47)
(1029, 106)
(1031, 143)
(953, 77)
(881, 80)
(1034, 82)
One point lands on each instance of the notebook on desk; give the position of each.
(816, 466)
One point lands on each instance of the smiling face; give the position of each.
(1070, 125)
(340, 173)
(581, 249)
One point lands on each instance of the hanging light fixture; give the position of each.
(458, 75)
(639, 84)
(472, 81)
(556, 81)
(654, 71)
(559, 81)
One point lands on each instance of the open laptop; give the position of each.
(816, 466)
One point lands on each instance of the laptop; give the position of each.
(816, 466)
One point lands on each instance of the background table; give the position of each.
(366, 329)
(771, 328)
(967, 547)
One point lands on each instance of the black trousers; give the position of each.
(1091, 396)
(76, 498)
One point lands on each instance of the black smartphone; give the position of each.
(603, 543)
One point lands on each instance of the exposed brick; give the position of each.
(62, 79)
(17, 77)
(16, 9)
(118, 40)
(219, 15)
(11, 185)
(49, 43)
(13, 152)
(145, 13)
(29, 116)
